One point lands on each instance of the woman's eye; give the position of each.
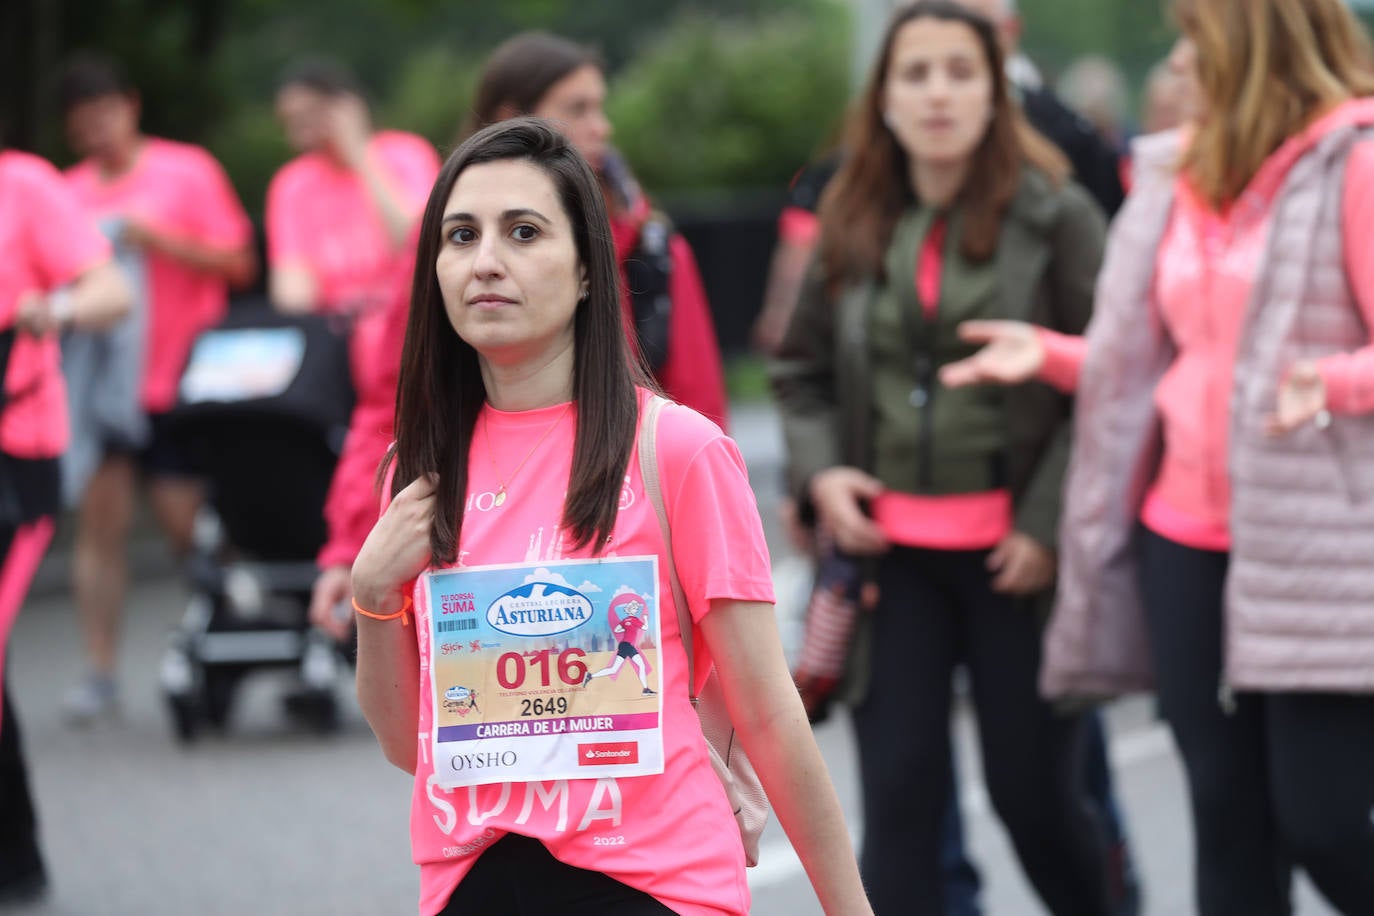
(462, 235)
(525, 233)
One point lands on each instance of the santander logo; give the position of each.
(607, 753)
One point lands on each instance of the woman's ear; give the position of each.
(584, 284)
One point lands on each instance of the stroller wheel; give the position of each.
(185, 717)
(180, 678)
(220, 686)
(314, 709)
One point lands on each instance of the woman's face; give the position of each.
(938, 91)
(508, 267)
(304, 117)
(577, 104)
(103, 126)
(1182, 64)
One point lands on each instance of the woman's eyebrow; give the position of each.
(506, 216)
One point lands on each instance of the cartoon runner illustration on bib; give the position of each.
(628, 618)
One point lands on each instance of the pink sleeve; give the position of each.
(350, 509)
(692, 373)
(1349, 377)
(220, 218)
(283, 231)
(414, 168)
(718, 543)
(65, 239)
(1063, 359)
(799, 227)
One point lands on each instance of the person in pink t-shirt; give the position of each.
(340, 239)
(515, 521)
(55, 273)
(338, 215)
(175, 204)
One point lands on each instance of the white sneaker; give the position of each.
(93, 699)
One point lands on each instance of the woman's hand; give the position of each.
(838, 494)
(1301, 398)
(349, 129)
(1021, 565)
(1012, 353)
(397, 549)
(332, 588)
(36, 316)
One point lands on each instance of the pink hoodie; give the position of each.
(1206, 267)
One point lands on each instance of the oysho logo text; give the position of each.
(489, 761)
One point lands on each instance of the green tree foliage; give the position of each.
(717, 103)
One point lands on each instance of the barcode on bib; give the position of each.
(456, 626)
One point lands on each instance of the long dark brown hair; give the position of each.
(520, 72)
(440, 390)
(866, 197)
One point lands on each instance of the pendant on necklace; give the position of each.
(500, 498)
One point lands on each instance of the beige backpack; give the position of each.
(742, 787)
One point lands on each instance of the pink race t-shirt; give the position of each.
(180, 190)
(671, 835)
(48, 241)
(321, 217)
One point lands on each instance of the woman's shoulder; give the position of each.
(1047, 205)
(683, 433)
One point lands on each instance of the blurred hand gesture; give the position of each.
(34, 316)
(1021, 565)
(1011, 354)
(137, 235)
(839, 493)
(1301, 398)
(348, 128)
(332, 589)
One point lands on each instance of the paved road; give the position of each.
(269, 820)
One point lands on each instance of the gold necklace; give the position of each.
(486, 431)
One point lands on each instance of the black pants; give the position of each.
(1273, 778)
(937, 608)
(518, 876)
(18, 827)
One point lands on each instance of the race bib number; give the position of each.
(545, 672)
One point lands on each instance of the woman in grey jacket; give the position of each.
(1220, 498)
(948, 208)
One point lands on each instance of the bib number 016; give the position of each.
(513, 668)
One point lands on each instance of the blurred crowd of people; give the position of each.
(1076, 404)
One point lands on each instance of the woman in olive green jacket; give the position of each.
(949, 208)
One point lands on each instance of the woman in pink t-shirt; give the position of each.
(55, 273)
(1229, 569)
(339, 214)
(516, 457)
(175, 205)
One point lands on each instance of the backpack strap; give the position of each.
(648, 272)
(648, 469)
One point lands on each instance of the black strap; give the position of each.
(649, 272)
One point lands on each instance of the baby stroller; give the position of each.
(262, 410)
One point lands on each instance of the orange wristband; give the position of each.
(405, 621)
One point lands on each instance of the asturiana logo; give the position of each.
(539, 609)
